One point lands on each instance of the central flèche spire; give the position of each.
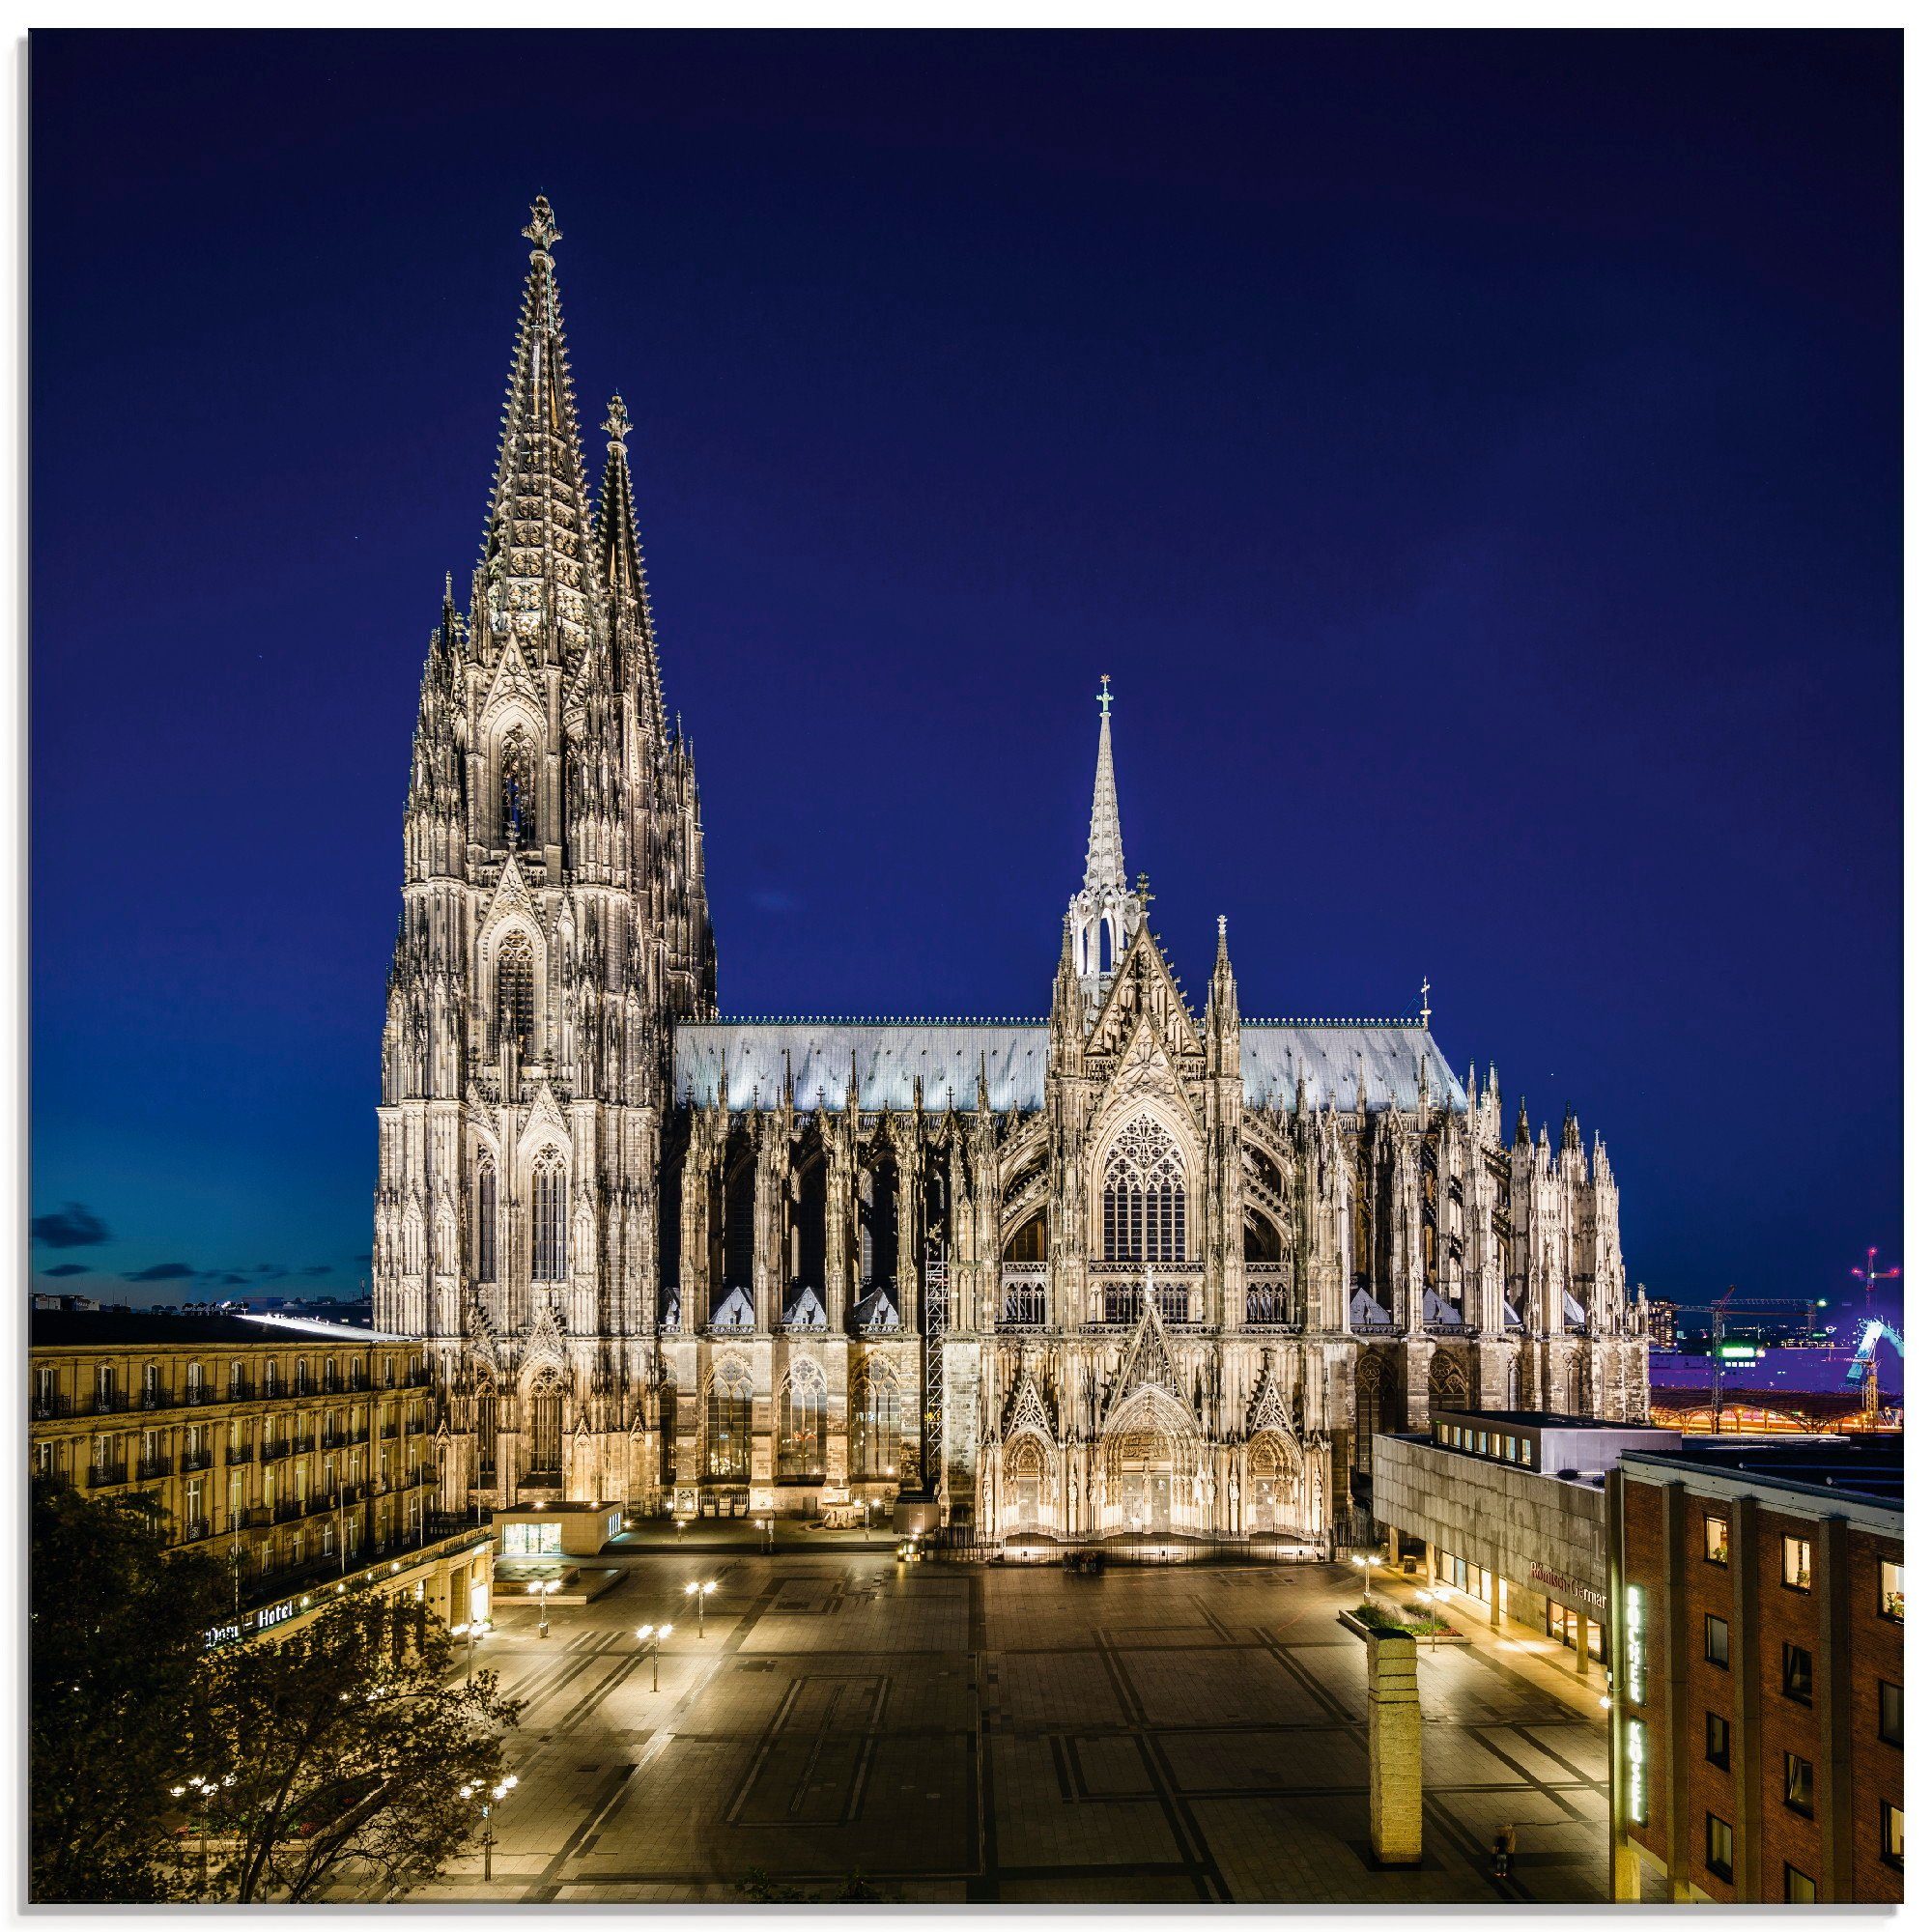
(1104, 914)
(1105, 864)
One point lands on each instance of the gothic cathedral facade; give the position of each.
(1126, 1269)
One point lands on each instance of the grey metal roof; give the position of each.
(945, 1056)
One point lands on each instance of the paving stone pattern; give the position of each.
(966, 1734)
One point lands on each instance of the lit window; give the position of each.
(1796, 1563)
(1798, 1673)
(1798, 1783)
(1798, 1888)
(1891, 1713)
(1716, 1539)
(1892, 1591)
(547, 1223)
(1717, 1740)
(1717, 1845)
(1718, 1642)
(1891, 1834)
(1143, 1198)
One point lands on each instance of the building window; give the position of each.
(1144, 1199)
(546, 1429)
(1798, 1673)
(1718, 1540)
(520, 790)
(1892, 1591)
(486, 1219)
(728, 1426)
(533, 1539)
(877, 1424)
(1717, 1740)
(1798, 1783)
(1891, 1833)
(1718, 1642)
(516, 994)
(802, 1428)
(1717, 1846)
(547, 1232)
(1798, 1888)
(1796, 1563)
(1891, 1713)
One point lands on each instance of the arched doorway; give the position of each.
(1270, 1504)
(1029, 1484)
(1150, 1463)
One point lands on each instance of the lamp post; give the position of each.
(543, 1591)
(476, 1627)
(699, 1591)
(654, 1634)
(496, 1795)
(204, 1789)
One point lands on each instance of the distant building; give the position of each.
(294, 1451)
(1663, 1320)
(1508, 1505)
(1757, 1594)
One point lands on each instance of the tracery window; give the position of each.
(875, 1412)
(547, 1428)
(486, 1219)
(802, 1428)
(486, 1431)
(519, 767)
(727, 1431)
(516, 994)
(1144, 1199)
(547, 1219)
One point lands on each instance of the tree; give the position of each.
(342, 1754)
(115, 1637)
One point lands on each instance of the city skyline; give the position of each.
(204, 1095)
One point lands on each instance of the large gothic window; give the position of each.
(486, 1219)
(547, 1428)
(486, 1429)
(727, 1431)
(802, 1428)
(519, 790)
(875, 1420)
(516, 994)
(1144, 1199)
(547, 1219)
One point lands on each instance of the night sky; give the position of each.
(1476, 459)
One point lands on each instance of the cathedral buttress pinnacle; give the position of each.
(621, 558)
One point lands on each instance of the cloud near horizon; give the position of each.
(163, 1271)
(73, 1226)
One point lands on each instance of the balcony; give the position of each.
(241, 1452)
(1270, 1304)
(107, 1402)
(274, 1452)
(1023, 1298)
(196, 1458)
(50, 1407)
(158, 1397)
(201, 1395)
(302, 1445)
(197, 1529)
(290, 1508)
(151, 1468)
(106, 1475)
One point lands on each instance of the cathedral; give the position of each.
(1126, 1268)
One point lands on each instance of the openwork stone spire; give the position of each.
(536, 536)
(621, 559)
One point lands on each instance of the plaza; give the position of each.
(965, 1733)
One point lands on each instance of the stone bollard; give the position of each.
(1395, 1750)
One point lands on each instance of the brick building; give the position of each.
(1757, 1601)
(294, 1451)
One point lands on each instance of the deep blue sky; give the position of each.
(1476, 459)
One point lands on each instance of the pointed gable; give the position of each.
(1267, 1410)
(1145, 986)
(1026, 1408)
(1147, 1363)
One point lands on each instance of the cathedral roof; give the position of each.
(945, 1056)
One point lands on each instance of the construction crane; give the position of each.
(1864, 1364)
(1717, 1311)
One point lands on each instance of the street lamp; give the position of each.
(204, 1789)
(543, 1592)
(654, 1634)
(494, 1795)
(476, 1627)
(699, 1591)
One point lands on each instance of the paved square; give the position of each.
(987, 1733)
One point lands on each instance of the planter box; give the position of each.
(1348, 1620)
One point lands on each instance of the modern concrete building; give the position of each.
(1758, 1720)
(294, 1451)
(558, 1529)
(1508, 1506)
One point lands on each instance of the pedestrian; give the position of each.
(1505, 1850)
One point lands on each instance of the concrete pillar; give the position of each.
(1395, 1548)
(1496, 1587)
(1582, 1644)
(1395, 1750)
